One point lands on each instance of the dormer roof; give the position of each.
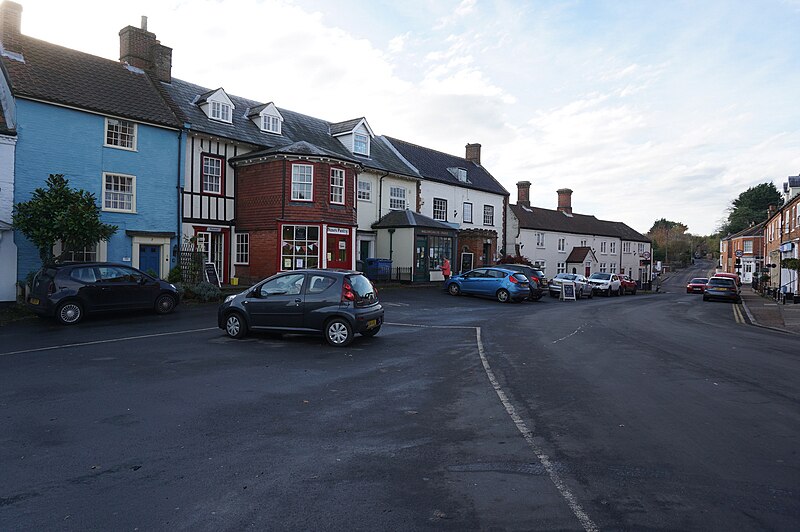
(579, 254)
(267, 108)
(215, 95)
(349, 126)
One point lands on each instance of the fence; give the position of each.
(402, 275)
(191, 262)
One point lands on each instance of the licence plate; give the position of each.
(372, 323)
(33, 301)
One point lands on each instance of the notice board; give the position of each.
(211, 274)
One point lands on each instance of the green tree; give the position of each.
(671, 243)
(750, 207)
(59, 213)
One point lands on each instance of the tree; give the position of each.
(59, 213)
(750, 207)
(670, 236)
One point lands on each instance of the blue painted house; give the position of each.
(104, 125)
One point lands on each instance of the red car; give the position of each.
(697, 285)
(627, 285)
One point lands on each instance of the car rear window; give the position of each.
(721, 281)
(699, 280)
(43, 279)
(362, 287)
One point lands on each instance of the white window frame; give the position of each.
(204, 174)
(603, 247)
(626, 247)
(745, 246)
(364, 190)
(562, 245)
(583, 243)
(361, 139)
(561, 267)
(466, 214)
(641, 248)
(612, 268)
(461, 174)
(220, 111)
(337, 186)
(539, 240)
(612, 248)
(488, 215)
(132, 193)
(299, 177)
(271, 124)
(603, 267)
(242, 249)
(440, 209)
(397, 198)
(120, 134)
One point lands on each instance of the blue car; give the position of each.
(500, 283)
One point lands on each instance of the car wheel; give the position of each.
(608, 292)
(371, 332)
(621, 291)
(591, 294)
(69, 313)
(705, 298)
(165, 304)
(235, 326)
(503, 296)
(633, 293)
(338, 332)
(454, 290)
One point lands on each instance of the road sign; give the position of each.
(646, 255)
(739, 253)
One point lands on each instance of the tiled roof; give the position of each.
(433, 165)
(408, 218)
(345, 127)
(756, 230)
(296, 148)
(296, 127)
(63, 76)
(578, 254)
(550, 220)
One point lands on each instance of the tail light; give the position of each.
(347, 292)
(513, 279)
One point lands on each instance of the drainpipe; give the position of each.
(283, 192)
(391, 247)
(380, 194)
(179, 233)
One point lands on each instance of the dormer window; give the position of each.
(361, 144)
(221, 111)
(271, 124)
(461, 174)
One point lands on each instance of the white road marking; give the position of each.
(576, 331)
(112, 340)
(555, 478)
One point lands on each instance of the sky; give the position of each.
(645, 109)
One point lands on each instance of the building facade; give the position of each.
(782, 239)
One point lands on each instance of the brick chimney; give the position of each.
(565, 200)
(10, 24)
(474, 153)
(771, 210)
(140, 48)
(524, 193)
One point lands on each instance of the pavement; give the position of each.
(767, 312)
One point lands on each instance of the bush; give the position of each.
(175, 275)
(512, 259)
(205, 292)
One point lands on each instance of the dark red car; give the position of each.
(697, 285)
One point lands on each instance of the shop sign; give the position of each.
(338, 231)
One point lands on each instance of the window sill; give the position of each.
(123, 148)
(119, 211)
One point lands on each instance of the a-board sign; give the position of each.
(568, 291)
(211, 274)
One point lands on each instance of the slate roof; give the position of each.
(297, 148)
(68, 77)
(756, 230)
(409, 218)
(557, 221)
(433, 165)
(296, 127)
(578, 254)
(345, 127)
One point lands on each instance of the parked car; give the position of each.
(722, 288)
(733, 276)
(627, 285)
(503, 284)
(697, 285)
(605, 283)
(335, 303)
(535, 278)
(69, 291)
(582, 286)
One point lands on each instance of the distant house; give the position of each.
(782, 238)
(104, 125)
(8, 140)
(460, 193)
(743, 252)
(560, 240)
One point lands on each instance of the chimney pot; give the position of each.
(524, 193)
(565, 200)
(474, 153)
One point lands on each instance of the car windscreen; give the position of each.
(603, 276)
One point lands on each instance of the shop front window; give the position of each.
(300, 247)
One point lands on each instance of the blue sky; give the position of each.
(645, 109)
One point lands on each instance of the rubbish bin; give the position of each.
(378, 269)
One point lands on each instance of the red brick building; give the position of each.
(297, 203)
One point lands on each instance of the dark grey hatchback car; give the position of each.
(336, 303)
(69, 291)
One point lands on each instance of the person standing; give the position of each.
(446, 268)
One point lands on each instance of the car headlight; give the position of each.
(174, 287)
(229, 298)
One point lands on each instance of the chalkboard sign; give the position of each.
(211, 274)
(568, 291)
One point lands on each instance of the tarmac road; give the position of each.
(636, 412)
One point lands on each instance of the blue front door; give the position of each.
(150, 259)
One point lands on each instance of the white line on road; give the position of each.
(96, 342)
(576, 331)
(555, 478)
